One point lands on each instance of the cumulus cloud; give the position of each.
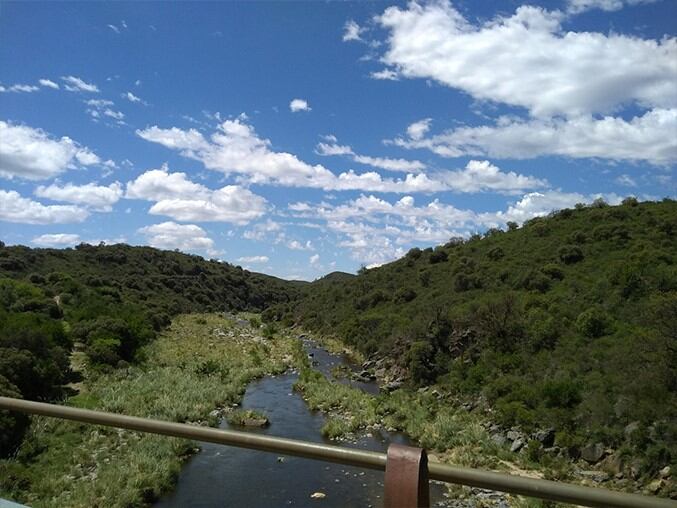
(253, 259)
(261, 230)
(32, 154)
(19, 88)
(528, 60)
(48, 83)
(352, 31)
(385, 75)
(649, 138)
(377, 230)
(75, 84)
(389, 164)
(185, 237)
(179, 198)
(419, 129)
(236, 148)
(578, 6)
(56, 240)
(16, 208)
(296, 245)
(133, 98)
(97, 197)
(297, 105)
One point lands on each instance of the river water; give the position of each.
(219, 476)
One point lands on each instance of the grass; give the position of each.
(245, 416)
(200, 363)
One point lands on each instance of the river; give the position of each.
(219, 476)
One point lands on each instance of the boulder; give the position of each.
(545, 437)
(499, 439)
(593, 453)
(517, 445)
(318, 495)
(655, 486)
(665, 472)
(513, 435)
(595, 476)
(393, 385)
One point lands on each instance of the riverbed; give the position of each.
(219, 476)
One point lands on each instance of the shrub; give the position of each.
(594, 322)
(414, 253)
(570, 254)
(495, 254)
(553, 271)
(404, 295)
(564, 393)
(438, 256)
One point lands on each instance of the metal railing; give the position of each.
(543, 489)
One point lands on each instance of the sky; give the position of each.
(300, 138)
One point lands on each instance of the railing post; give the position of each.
(406, 481)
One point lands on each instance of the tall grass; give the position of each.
(200, 363)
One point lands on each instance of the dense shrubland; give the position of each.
(569, 322)
(108, 300)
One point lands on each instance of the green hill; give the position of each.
(110, 300)
(568, 322)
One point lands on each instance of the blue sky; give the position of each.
(298, 138)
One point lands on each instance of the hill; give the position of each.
(107, 300)
(568, 322)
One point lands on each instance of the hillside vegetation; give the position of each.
(568, 322)
(109, 301)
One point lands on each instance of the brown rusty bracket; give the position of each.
(406, 482)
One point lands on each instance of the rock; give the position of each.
(255, 422)
(499, 439)
(593, 453)
(280, 459)
(318, 495)
(655, 486)
(517, 445)
(612, 463)
(553, 450)
(393, 385)
(368, 364)
(619, 476)
(665, 472)
(595, 476)
(380, 372)
(630, 429)
(545, 437)
(513, 435)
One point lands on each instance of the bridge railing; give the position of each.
(407, 470)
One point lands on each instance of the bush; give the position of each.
(13, 425)
(495, 254)
(438, 256)
(594, 322)
(570, 254)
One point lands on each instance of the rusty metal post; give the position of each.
(406, 482)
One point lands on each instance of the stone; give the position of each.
(393, 385)
(613, 463)
(546, 437)
(593, 453)
(655, 486)
(595, 476)
(318, 495)
(665, 472)
(280, 459)
(517, 445)
(513, 435)
(499, 439)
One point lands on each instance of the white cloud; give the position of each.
(315, 260)
(260, 231)
(48, 83)
(32, 154)
(296, 245)
(74, 84)
(56, 240)
(114, 28)
(179, 198)
(297, 105)
(15, 208)
(98, 198)
(185, 237)
(386, 163)
(385, 75)
(650, 138)
(253, 259)
(377, 231)
(578, 6)
(133, 98)
(419, 129)
(626, 180)
(20, 88)
(528, 60)
(236, 148)
(115, 115)
(352, 31)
